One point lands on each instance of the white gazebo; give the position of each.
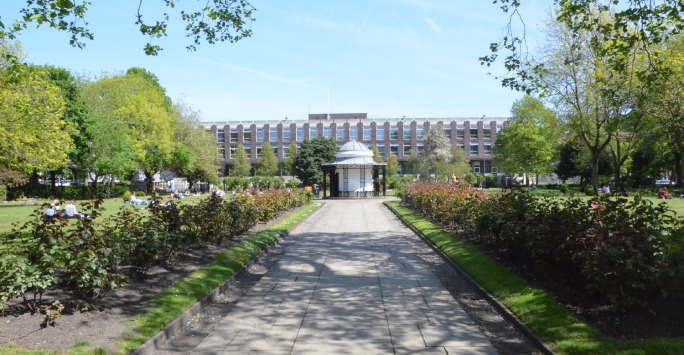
(354, 172)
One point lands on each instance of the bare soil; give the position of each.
(103, 325)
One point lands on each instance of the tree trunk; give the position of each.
(149, 182)
(594, 163)
(53, 178)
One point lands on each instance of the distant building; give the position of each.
(391, 135)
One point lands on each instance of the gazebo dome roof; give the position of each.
(354, 153)
(354, 149)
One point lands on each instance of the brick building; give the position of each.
(391, 135)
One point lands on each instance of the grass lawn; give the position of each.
(538, 310)
(20, 214)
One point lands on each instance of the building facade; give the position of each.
(397, 136)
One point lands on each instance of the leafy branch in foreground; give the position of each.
(212, 21)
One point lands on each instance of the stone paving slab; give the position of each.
(351, 284)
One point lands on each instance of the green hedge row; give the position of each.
(624, 249)
(88, 255)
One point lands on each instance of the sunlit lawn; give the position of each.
(20, 214)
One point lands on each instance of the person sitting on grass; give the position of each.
(70, 210)
(663, 194)
(49, 210)
(137, 201)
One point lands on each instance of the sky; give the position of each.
(386, 58)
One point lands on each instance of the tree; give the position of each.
(529, 143)
(33, 135)
(414, 165)
(566, 166)
(588, 93)
(211, 22)
(667, 106)
(110, 146)
(75, 113)
(656, 21)
(291, 160)
(312, 154)
(195, 156)
(392, 167)
(241, 165)
(267, 163)
(459, 163)
(140, 103)
(377, 156)
(437, 152)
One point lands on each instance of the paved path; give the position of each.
(351, 284)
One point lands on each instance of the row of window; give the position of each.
(394, 149)
(340, 135)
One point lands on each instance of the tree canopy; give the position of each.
(33, 134)
(267, 163)
(311, 155)
(208, 21)
(655, 21)
(142, 105)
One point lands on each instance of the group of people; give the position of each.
(52, 209)
(664, 194)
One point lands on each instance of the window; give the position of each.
(394, 133)
(233, 135)
(313, 132)
(220, 136)
(273, 135)
(260, 134)
(419, 148)
(327, 132)
(476, 167)
(473, 133)
(460, 131)
(232, 151)
(248, 150)
(420, 132)
(222, 152)
(499, 128)
(487, 133)
(246, 134)
(380, 133)
(354, 133)
(287, 134)
(366, 133)
(488, 148)
(407, 150)
(407, 133)
(474, 149)
(447, 132)
(300, 134)
(339, 134)
(394, 148)
(258, 148)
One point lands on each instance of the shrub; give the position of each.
(126, 196)
(294, 183)
(46, 251)
(589, 190)
(628, 251)
(564, 188)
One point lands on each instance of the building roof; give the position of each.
(354, 153)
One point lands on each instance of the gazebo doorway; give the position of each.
(354, 174)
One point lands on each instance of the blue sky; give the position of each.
(387, 58)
